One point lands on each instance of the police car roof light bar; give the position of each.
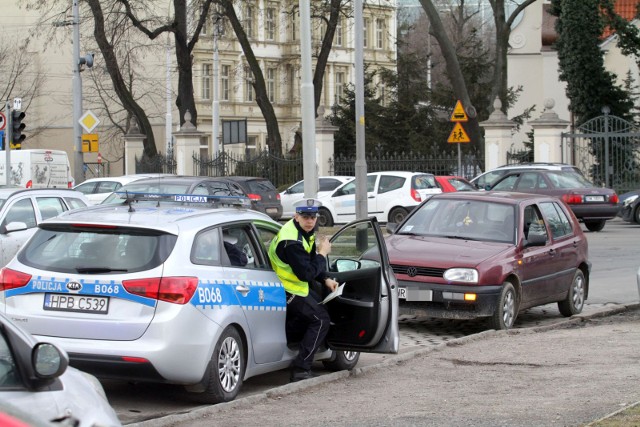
(201, 199)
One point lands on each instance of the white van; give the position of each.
(37, 168)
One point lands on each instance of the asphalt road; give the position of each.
(615, 260)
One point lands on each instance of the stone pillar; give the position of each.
(187, 143)
(547, 135)
(324, 142)
(133, 148)
(497, 137)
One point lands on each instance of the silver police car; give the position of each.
(154, 292)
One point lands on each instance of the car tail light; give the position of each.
(176, 290)
(29, 184)
(255, 197)
(614, 198)
(278, 196)
(11, 279)
(415, 195)
(70, 184)
(572, 199)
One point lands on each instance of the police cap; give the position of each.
(307, 206)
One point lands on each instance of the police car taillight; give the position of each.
(11, 279)
(176, 290)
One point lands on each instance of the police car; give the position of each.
(146, 291)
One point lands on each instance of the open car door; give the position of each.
(364, 317)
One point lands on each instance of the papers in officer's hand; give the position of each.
(333, 294)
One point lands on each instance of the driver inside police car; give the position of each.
(300, 261)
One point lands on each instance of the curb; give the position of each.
(393, 360)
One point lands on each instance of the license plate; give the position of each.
(594, 198)
(402, 293)
(77, 303)
(272, 210)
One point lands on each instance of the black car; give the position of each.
(630, 206)
(263, 194)
(591, 204)
(180, 184)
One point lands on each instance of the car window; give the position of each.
(328, 184)
(423, 182)
(461, 185)
(74, 203)
(558, 221)
(107, 186)
(533, 222)
(371, 183)
(21, 211)
(568, 180)
(9, 376)
(507, 184)
(347, 189)
(266, 236)
(72, 250)
(206, 247)
(50, 206)
(260, 185)
(86, 187)
(390, 183)
(488, 178)
(470, 219)
(299, 188)
(240, 250)
(528, 181)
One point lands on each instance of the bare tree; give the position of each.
(22, 78)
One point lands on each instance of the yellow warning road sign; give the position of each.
(459, 115)
(458, 134)
(89, 142)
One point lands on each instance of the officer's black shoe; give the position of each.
(298, 374)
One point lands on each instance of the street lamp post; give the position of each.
(362, 210)
(78, 161)
(215, 108)
(308, 105)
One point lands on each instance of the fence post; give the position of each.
(133, 148)
(497, 137)
(547, 134)
(187, 143)
(324, 143)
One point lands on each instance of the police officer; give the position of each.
(299, 260)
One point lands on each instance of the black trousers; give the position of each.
(308, 325)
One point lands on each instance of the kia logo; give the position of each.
(412, 272)
(74, 286)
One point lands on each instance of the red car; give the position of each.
(467, 255)
(454, 183)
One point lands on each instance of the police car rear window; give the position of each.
(96, 251)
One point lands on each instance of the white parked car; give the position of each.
(21, 210)
(390, 197)
(326, 184)
(98, 189)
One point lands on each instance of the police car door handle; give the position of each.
(243, 289)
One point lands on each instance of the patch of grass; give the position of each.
(630, 417)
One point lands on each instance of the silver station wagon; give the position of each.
(147, 291)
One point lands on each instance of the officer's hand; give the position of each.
(330, 283)
(323, 246)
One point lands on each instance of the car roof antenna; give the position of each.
(130, 201)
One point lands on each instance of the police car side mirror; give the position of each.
(347, 265)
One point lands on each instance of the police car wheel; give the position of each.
(227, 369)
(343, 361)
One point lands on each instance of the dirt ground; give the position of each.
(570, 374)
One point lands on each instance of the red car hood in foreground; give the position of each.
(440, 252)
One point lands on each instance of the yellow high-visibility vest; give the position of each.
(291, 282)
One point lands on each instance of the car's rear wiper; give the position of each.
(100, 270)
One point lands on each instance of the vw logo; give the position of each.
(74, 286)
(412, 272)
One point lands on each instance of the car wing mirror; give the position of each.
(487, 187)
(15, 226)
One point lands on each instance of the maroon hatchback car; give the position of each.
(468, 255)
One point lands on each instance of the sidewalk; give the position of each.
(567, 374)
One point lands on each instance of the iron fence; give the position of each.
(157, 164)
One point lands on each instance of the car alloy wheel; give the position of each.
(574, 302)
(506, 310)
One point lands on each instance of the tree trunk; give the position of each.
(274, 141)
(325, 50)
(185, 100)
(119, 85)
(453, 69)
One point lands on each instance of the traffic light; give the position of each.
(16, 129)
